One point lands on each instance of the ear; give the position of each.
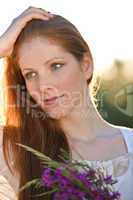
(87, 65)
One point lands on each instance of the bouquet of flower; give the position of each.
(73, 180)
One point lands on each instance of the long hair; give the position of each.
(23, 123)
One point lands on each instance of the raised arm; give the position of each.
(8, 38)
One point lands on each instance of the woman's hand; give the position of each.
(9, 37)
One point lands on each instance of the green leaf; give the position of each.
(45, 193)
(40, 155)
(65, 154)
(29, 184)
(44, 159)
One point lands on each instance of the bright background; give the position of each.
(106, 25)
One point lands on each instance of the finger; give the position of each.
(33, 14)
(29, 14)
(47, 13)
(37, 15)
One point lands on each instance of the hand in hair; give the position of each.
(9, 37)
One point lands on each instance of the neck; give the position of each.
(85, 124)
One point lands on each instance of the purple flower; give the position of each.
(47, 178)
(77, 185)
(69, 194)
(65, 181)
(108, 179)
(115, 195)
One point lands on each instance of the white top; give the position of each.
(121, 168)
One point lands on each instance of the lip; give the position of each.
(52, 100)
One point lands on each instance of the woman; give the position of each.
(46, 57)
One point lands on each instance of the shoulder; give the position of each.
(122, 137)
(4, 170)
(3, 166)
(6, 191)
(126, 131)
(128, 136)
(2, 161)
(1, 134)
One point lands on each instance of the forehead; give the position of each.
(38, 50)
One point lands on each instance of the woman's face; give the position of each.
(51, 71)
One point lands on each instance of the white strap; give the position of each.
(128, 136)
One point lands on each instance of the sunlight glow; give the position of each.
(105, 25)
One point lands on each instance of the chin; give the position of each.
(58, 114)
(55, 115)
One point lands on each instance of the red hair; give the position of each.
(23, 127)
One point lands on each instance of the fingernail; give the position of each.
(51, 14)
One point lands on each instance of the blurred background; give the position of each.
(107, 27)
(115, 93)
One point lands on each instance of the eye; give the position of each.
(30, 75)
(57, 65)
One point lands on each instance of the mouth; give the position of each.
(52, 100)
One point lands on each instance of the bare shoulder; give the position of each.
(3, 166)
(119, 139)
(114, 138)
(1, 127)
(1, 134)
(6, 191)
(12, 180)
(2, 161)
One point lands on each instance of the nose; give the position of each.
(47, 88)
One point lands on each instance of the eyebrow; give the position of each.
(44, 63)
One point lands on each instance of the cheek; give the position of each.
(72, 85)
(33, 91)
